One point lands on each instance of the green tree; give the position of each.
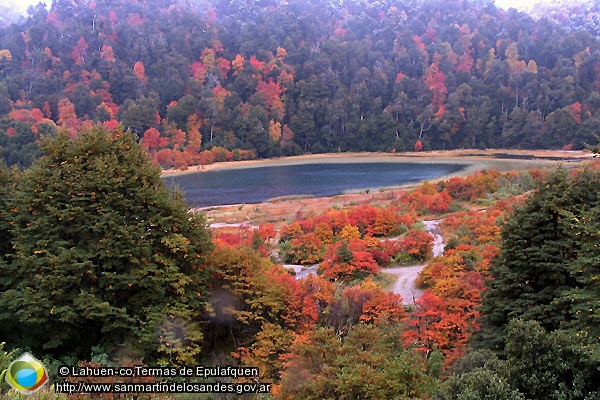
(102, 254)
(584, 298)
(532, 271)
(139, 115)
(7, 179)
(369, 363)
(481, 383)
(549, 365)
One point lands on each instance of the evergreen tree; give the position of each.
(549, 365)
(102, 254)
(7, 179)
(584, 298)
(532, 272)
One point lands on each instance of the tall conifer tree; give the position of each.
(533, 270)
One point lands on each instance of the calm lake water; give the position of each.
(255, 185)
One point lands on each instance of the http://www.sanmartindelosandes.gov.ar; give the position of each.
(26, 374)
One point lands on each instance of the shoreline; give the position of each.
(284, 210)
(477, 159)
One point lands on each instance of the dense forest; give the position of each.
(221, 80)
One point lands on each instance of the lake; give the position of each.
(258, 184)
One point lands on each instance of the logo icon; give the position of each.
(26, 374)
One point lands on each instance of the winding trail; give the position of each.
(406, 276)
(405, 283)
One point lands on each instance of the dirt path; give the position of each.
(405, 284)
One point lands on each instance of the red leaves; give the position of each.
(417, 243)
(270, 92)
(79, 52)
(427, 200)
(107, 53)
(418, 146)
(419, 43)
(67, 117)
(257, 65)
(400, 76)
(345, 260)
(198, 71)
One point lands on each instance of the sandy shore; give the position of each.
(476, 159)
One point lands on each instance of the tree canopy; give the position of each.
(299, 77)
(101, 253)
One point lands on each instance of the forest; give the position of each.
(234, 80)
(102, 265)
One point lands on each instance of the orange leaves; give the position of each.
(219, 94)
(107, 53)
(151, 139)
(140, 72)
(306, 249)
(223, 66)
(446, 315)
(427, 200)
(575, 110)
(417, 243)
(512, 59)
(274, 130)
(474, 186)
(270, 92)
(439, 323)
(5, 54)
(33, 116)
(79, 52)
(374, 304)
(238, 64)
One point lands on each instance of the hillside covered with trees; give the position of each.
(221, 80)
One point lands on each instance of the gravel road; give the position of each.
(405, 284)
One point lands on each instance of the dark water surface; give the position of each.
(255, 185)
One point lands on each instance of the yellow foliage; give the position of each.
(350, 232)
(275, 130)
(5, 54)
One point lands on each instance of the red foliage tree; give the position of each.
(417, 243)
(344, 260)
(140, 72)
(418, 146)
(79, 52)
(151, 139)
